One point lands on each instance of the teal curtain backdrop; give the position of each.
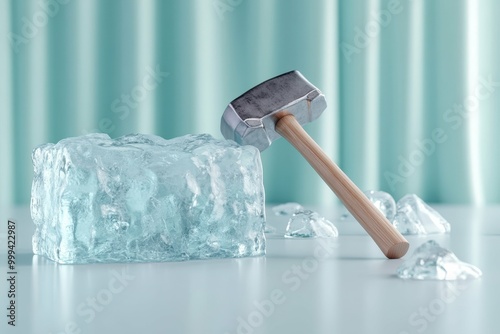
(413, 86)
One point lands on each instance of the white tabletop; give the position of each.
(294, 289)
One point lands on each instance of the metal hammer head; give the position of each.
(250, 119)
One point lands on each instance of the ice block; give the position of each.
(142, 198)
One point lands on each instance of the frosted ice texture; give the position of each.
(143, 198)
(432, 262)
(414, 216)
(309, 224)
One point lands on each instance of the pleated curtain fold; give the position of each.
(413, 86)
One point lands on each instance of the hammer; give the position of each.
(279, 107)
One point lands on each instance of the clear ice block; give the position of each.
(432, 262)
(309, 224)
(414, 216)
(142, 198)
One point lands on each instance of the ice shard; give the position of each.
(432, 262)
(414, 216)
(381, 200)
(309, 224)
(142, 198)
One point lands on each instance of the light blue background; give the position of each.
(399, 86)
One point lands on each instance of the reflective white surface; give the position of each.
(294, 289)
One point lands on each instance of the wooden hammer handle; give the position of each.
(388, 239)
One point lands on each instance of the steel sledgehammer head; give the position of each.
(279, 107)
(251, 118)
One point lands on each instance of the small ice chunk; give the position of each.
(432, 262)
(382, 201)
(309, 224)
(141, 198)
(414, 216)
(287, 209)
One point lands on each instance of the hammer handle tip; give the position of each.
(388, 239)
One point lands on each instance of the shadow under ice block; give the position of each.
(142, 198)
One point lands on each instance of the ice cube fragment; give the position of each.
(382, 201)
(433, 262)
(414, 216)
(309, 224)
